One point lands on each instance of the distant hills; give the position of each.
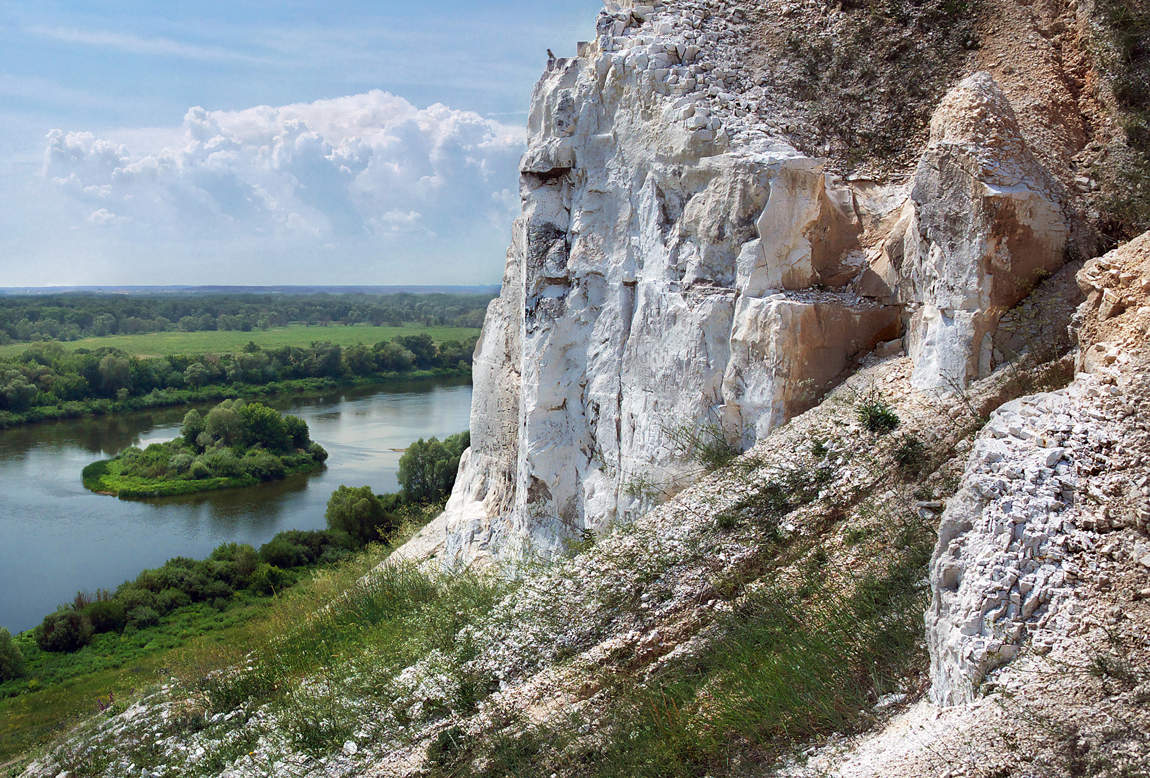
(12, 291)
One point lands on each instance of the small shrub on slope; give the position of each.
(877, 416)
(11, 660)
(910, 455)
(64, 630)
(706, 445)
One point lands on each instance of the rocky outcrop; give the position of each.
(1042, 479)
(980, 227)
(997, 574)
(677, 266)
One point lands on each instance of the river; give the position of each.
(56, 537)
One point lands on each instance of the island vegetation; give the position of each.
(102, 645)
(236, 444)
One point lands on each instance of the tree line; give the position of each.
(73, 316)
(49, 381)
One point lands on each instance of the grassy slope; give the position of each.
(67, 687)
(166, 343)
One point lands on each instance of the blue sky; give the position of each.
(266, 142)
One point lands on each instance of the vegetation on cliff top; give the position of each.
(866, 81)
(236, 444)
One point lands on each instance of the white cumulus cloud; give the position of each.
(367, 167)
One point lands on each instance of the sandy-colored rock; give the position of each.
(981, 227)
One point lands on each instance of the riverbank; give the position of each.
(168, 398)
(105, 676)
(52, 526)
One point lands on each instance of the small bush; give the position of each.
(852, 536)
(11, 660)
(134, 597)
(360, 513)
(222, 463)
(142, 617)
(64, 631)
(191, 581)
(180, 463)
(263, 465)
(107, 615)
(427, 468)
(297, 432)
(268, 579)
(281, 552)
(217, 590)
(910, 455)
(332, 554)
(447, 746)
(241, 561)
(727, 520)
(707, 445)
(171, 599)
(877, 416)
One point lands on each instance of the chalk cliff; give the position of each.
(848, 241)
(678, 264)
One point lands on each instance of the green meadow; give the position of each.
(162, 344)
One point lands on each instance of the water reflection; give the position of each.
(56, 537)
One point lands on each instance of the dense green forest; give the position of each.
(48, 381)
(79, 315)
(236, 444)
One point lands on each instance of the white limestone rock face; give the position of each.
(997, 574)
(980, 227)
(1048, 474)
(785, 353)
(676, 266)
(658, 277)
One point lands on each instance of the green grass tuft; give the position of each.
(877, 416)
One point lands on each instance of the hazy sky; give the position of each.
(254, 141)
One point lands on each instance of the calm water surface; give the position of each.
(57, 537)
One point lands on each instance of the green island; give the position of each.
(235, 444)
